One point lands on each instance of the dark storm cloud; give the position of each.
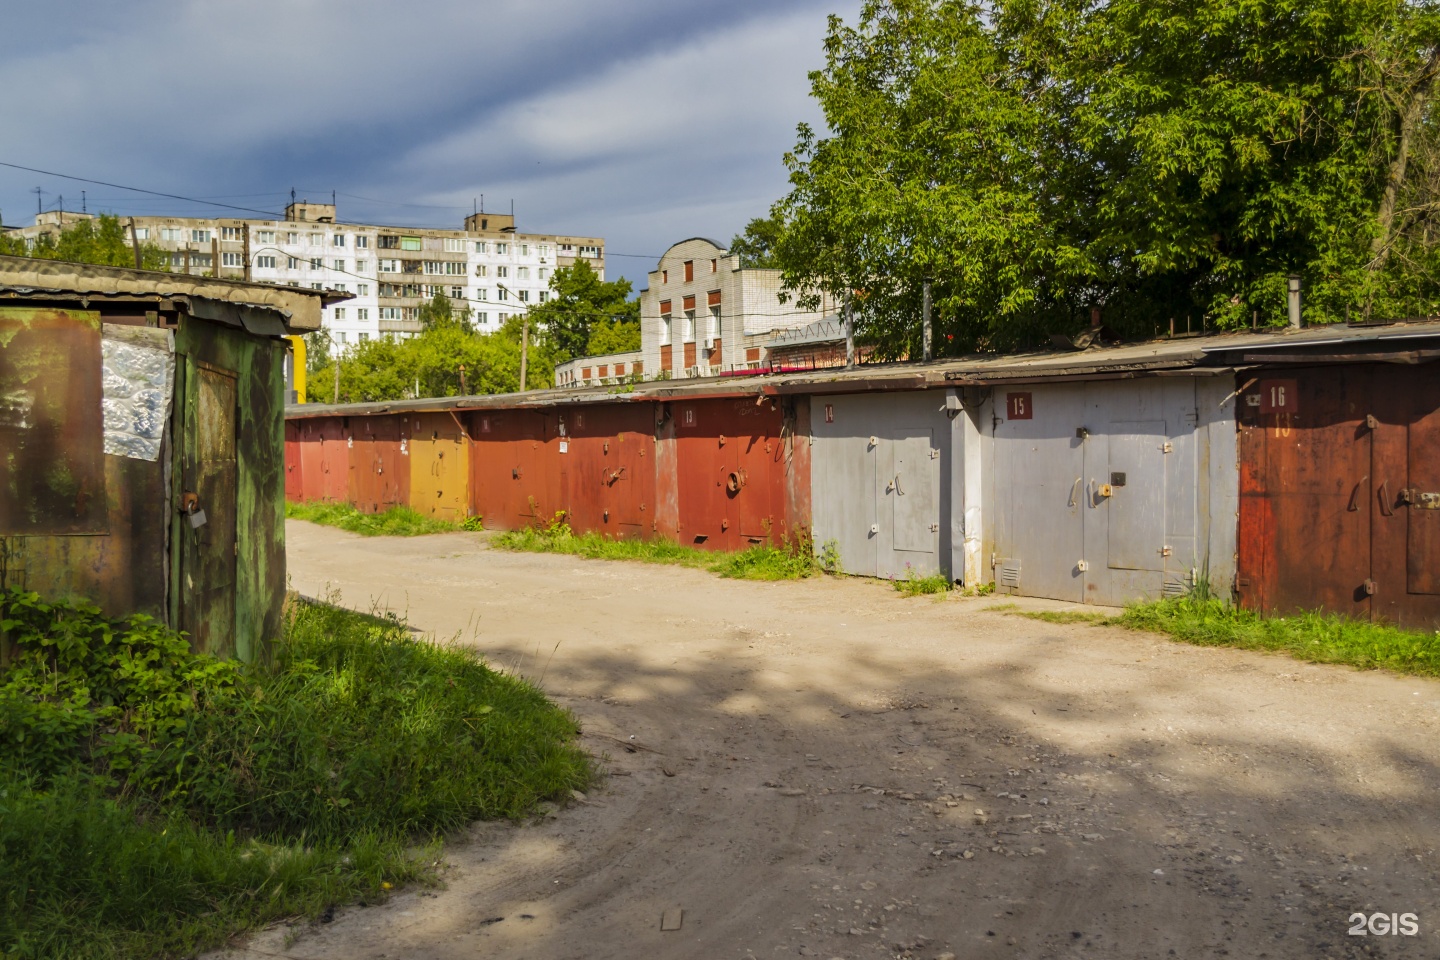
(641, 121)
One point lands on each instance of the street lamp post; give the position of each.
(524, 335)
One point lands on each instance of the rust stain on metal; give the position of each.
(52, 477)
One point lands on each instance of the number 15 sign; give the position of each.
(1018, 407)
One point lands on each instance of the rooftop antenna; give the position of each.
(332, 198)
(82, 202)
(474, 206)
(482, 202)
(38, 208)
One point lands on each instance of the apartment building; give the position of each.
(487, 266)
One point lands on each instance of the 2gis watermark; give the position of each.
(1383, 925)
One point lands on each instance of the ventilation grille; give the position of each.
(1010, 573)
(1176, 588)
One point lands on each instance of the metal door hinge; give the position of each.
(1369, 587)
(1371, 423)
(934, 453)
(1167, 447)
(934, 528)
(1165, 551)
(1082, 566)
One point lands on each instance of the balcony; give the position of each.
(400, 326)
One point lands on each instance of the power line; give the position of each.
(154, 193)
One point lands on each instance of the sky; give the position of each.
(643, 122)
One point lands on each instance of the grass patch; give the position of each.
(934, 583)
(1052, 616)
(395, 522)
(154, 802)
(791, 562)
(1313, 637)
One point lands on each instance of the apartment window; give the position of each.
(342, 336)
(502, 294)
(339, 313)
(410, 243)
(483, 317)
(712, 329)
(316, 239)
(364, 336)
(363, 289)
(524, 296)
(264, 236)
(524, 249)
(481, 293)
(389, 313)
(481, 246)
(501, 317)
(544, 295)
(362, 242)
(172, 234)
(362, 313)
(292, 237)
(232, 259)
(337, 239)
(543, 273)
(291, 263)
(316, 263)
(664, 276)
(388, 242)
(454, 268)
(502, 247)
(502, 271)
(338, 265)
(454, 245)
(589, 251)
(340, 287)
(265, 262)
(200, 236)
(714, 265)
(199, 260)
(362, 266)
(435, 266)
(389, 266)
(457, 293)
(409, 313)
(689, 326)
(231, 233)
(543, 250)
(689, 270)
(142, 233)
(481, 270)
(317, 286)
(522, 273)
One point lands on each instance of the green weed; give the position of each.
(915, 586)
(395, 522)
(762, 562)
(1314, 637)
(153, 801)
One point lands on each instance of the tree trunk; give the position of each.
(1410, 118)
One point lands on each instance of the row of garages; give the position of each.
(1294, 470)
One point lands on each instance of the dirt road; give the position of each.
(827, 769)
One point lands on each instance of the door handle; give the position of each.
(898, 491)
(1074, 489)
(1385, 499)
(1354, 504)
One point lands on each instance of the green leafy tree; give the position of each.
(101, 240)
(440, 312)
(1156, 158)
(756, 245)
(613, 336)
(579, 300)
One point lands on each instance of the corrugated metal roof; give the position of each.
(54, 279)
(1207, 355)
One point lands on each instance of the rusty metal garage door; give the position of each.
(1340, 491)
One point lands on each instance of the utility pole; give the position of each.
(524, 346)
(337, 378)
(215, 254)
(927, 351)
(135, 243)
(849, 332)
(464, 391)
(187, 259)
(246, 228)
